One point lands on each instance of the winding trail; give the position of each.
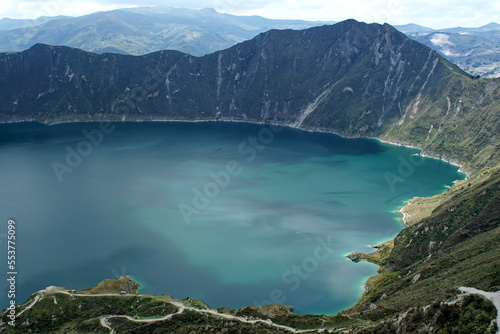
(181, 308)
(494, 297)
(36, 300)
(105, 323)
(104, 320)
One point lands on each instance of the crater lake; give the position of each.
(233, 214)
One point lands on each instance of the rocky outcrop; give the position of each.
(352, 78)
(455, 246)
(355, 257)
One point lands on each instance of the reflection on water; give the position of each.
(226, 213)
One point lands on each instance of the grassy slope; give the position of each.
(61, 313)
(456, 118)
(470, 315)
(454, 238)
(373, 80)
(457, 245)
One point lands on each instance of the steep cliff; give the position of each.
(455, 245)
(352, 78)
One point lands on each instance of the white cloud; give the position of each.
(5, 7)
(447, 13)
(35, 9)
(432, 13)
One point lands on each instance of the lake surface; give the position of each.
(232, 214)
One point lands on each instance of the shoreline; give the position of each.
(401, 210)
(454, 162)
(404, 215)
(431, 156)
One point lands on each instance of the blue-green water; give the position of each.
(233, 214)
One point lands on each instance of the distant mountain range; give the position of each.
(139, 31)
(475, 50)
(10, 24)
(352, 78)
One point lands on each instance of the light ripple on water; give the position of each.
(266, 231)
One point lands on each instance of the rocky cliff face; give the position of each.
(454, 245)
(352, 78)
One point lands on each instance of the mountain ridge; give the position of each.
(355, 79)
(143, 30)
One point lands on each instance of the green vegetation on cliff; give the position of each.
(456, 245)
(355, 79)
(351, 78)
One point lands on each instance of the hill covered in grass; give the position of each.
(351, 78)
(355, 79)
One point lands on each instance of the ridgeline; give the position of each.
(355, 79)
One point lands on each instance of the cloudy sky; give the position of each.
(430, 13)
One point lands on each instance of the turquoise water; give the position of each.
(233, 214)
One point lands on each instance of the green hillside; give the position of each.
(355, 79)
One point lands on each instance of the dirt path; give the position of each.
(493, 296)
(104, 321)
(36, 300)
(181, 308)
